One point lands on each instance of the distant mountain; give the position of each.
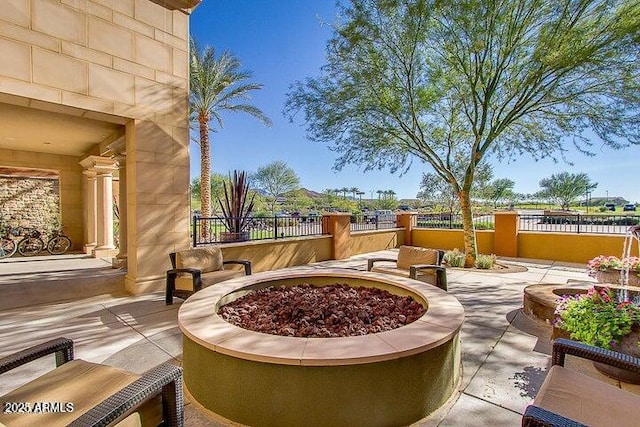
(311, 193)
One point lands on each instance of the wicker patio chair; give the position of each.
(194, 269)
(569, 398)
(99, 395)
(417, 263)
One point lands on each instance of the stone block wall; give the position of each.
(30, 202)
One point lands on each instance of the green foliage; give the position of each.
(345, 205)
(217, 192)
(454, 258)
(564, 188)
(276, 179)
(435, 189)
(500, 189)
(450, 83)
(596, 318)
(485, 262)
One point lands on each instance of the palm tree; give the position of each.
(354, 191)
(344, 191)
(217, 84)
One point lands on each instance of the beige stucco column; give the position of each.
(105, 246)
(121, 259)
(409, 221)
(338, 225)
(89, 211)
(506, 233)
(99, 205)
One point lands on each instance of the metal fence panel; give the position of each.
(212, 230)
(365, 222)
(570, 223)
(449, 221)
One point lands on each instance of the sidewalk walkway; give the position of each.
(505, 354)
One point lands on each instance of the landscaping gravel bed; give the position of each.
(321, 311)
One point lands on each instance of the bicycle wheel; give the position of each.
(58, 245)
(7, 248)
(30, 246)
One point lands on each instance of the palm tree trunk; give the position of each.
(205, 171)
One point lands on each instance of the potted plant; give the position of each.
(600, 318)
(235, 209)
(609, 269)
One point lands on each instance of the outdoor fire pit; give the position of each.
(387, 378)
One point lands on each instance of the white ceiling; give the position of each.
(29, 129)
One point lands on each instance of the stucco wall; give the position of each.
(451, 239)
(370, 241)
(118, 61)
(570, 247)
(268, 255)
(567, 247)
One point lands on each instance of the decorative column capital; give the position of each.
(99, 164)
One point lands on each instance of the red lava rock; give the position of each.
(327, 311)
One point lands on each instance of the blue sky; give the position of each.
(282, 41)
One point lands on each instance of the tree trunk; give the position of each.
(467, 225)
(205, 171)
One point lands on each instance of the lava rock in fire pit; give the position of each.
(321, 311)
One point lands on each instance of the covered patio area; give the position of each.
(505, 354)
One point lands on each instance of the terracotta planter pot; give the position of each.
(613, 276)
(628, 345)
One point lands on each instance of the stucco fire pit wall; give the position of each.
(386, 379)
(540, 300)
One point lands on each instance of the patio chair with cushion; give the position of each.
(194, 269)
(417, 263)
(79, 393)
(570, 398)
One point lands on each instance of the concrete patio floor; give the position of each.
(505, 354)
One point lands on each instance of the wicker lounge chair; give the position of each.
(90, 394)
(417, 263)
(197, 268)
(569, 398)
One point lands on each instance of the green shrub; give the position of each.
(596, 318)
(454, 258)
(485, 262)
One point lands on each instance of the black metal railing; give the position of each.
(365, 222)
(575, 223)
(213, 230)
(454, 221)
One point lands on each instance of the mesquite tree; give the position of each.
(564, 188)
(447, 80)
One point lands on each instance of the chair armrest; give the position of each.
(246, 263)
(192, 271)
(165, 379)
(441, 273)
(563, 346)
(62, 347)
(370, 261)
(197, 275)
(538, 417)
(417, 267)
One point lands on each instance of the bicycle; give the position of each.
(32, 243)
(8, 246)
(59, 243)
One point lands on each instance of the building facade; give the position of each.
(96, 91)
